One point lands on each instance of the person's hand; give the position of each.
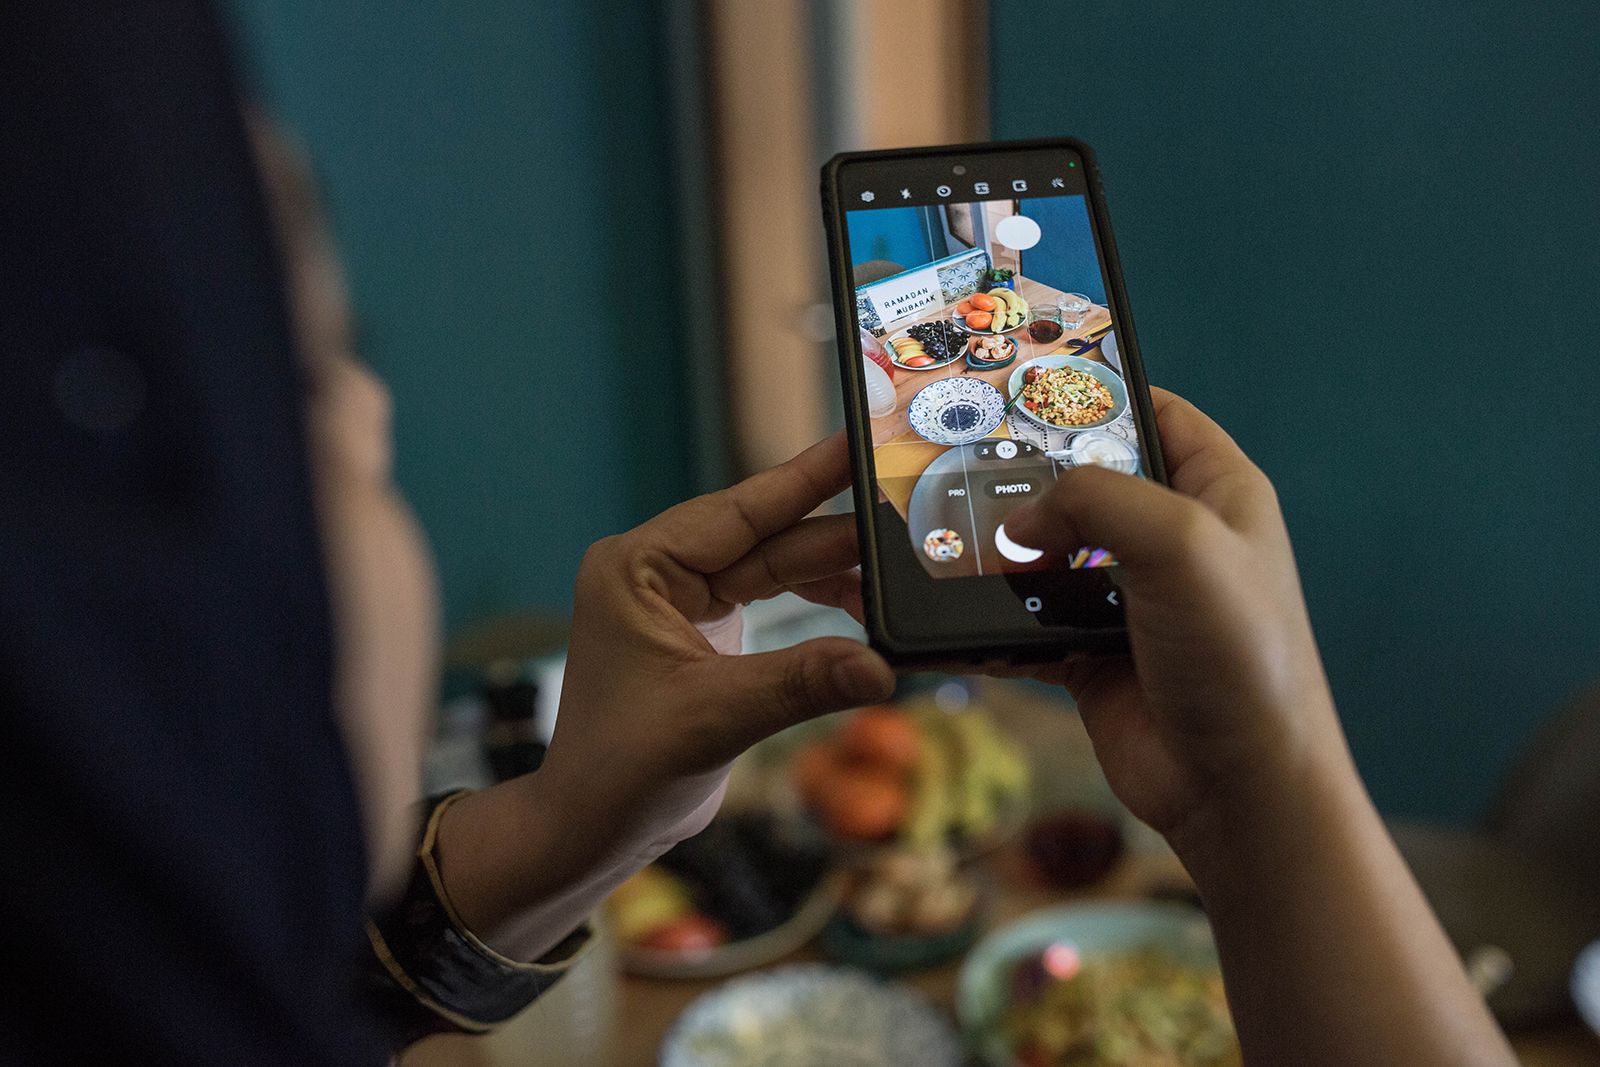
(652, 709)
(1219, 731)
(1223, 698)
(649, 708)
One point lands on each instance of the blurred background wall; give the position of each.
(501, 183)
(1363, 235)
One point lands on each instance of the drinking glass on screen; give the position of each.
(1074, 309)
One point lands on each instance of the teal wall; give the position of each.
(1364, 236)
(896, 235)
(1065, 259)
(499, 182)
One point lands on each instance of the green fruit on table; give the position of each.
(929, 816)
(650, 899)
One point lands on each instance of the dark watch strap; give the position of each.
(435, 974)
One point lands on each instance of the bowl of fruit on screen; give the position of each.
(749, 889)
(997, 311)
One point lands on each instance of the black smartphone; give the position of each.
(986, 345)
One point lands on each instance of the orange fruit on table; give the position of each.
(983, 302)
(883, 737)
(814, 767)
(692, 935)
(964, 308)
(864, 803)
(980, 320)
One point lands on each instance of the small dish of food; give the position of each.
(1068, 392)
(988, 353)
(905, 909)
(926, 346)
(1100, 448)
(1099, 985)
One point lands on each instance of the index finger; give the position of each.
(712, 532)
(1205, 463)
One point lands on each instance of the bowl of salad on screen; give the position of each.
(1068, 392)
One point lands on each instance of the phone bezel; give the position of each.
(977, 646)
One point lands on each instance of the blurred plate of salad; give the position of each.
(1099, 985)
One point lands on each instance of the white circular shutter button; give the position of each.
(1011, 550)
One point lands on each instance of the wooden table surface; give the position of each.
(899, 453)
(594, 1019)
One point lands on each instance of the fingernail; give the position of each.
(861, 678)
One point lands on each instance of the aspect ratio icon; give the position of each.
(981, 188)
(1019, 186)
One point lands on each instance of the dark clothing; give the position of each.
(182, 869)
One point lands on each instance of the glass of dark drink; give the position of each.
(1046, 325)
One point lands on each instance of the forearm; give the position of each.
(1330, 953)
(526, 861)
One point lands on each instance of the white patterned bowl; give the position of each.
(808, 1015)
(957, 411)
(1586, 986)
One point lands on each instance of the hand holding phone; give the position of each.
(1220, 731)
(987, 348)
(1223, 701)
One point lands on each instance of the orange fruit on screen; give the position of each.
(983, 301)
(863, 803)
(883, 737)
(980, 320)
(964, 308)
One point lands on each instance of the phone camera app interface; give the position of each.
(989, 357)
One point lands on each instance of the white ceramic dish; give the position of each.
(956, 411)
(811, 1015)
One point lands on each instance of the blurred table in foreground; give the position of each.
(645, 1009)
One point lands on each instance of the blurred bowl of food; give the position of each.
(905, 909)
(811, 1014)
(1098, 985)
(748, 890)
(912, 775)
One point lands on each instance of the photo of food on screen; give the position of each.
(989, 361)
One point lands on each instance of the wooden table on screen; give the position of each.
(899, 453)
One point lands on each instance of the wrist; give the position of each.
(1286, 810)
(510, 847)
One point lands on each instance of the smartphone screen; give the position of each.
(988, 356)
